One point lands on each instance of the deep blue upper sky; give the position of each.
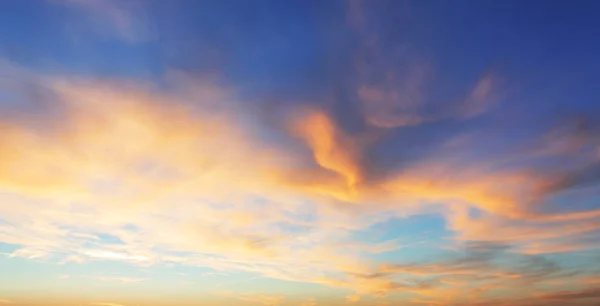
(308, 43)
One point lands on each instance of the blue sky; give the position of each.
(299, 152)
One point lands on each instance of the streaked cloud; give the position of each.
(262, 299)
(482, 97)
(107, 304)
(125, 20)
(119, 279)
(392, 83)
(309, 302)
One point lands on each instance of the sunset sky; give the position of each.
(299, 153)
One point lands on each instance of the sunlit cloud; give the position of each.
(162, 173)
(309, 302)
(262, 299)
(353, 298)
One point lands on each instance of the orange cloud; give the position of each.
(353, 298)
(332, 149)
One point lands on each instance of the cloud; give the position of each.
(483, 96)
(332, 150)
(395, 103)
(4, 301)
(353, 298)
(568, 137)
(309, 302)
(119, 279)
(469, 277)
(185, 176)
(390, 86)
(159, 195)
(392, 80)
(590, 294)
(586, 176)
(124, 20)
(262, 299)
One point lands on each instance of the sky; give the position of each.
(299, 153)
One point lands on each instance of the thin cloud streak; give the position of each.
(124, 20)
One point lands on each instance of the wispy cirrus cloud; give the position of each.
(392, 82)
(119, 279)
(125, 20)
(309, 302)
(262, 299)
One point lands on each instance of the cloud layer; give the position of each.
(124, 171)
